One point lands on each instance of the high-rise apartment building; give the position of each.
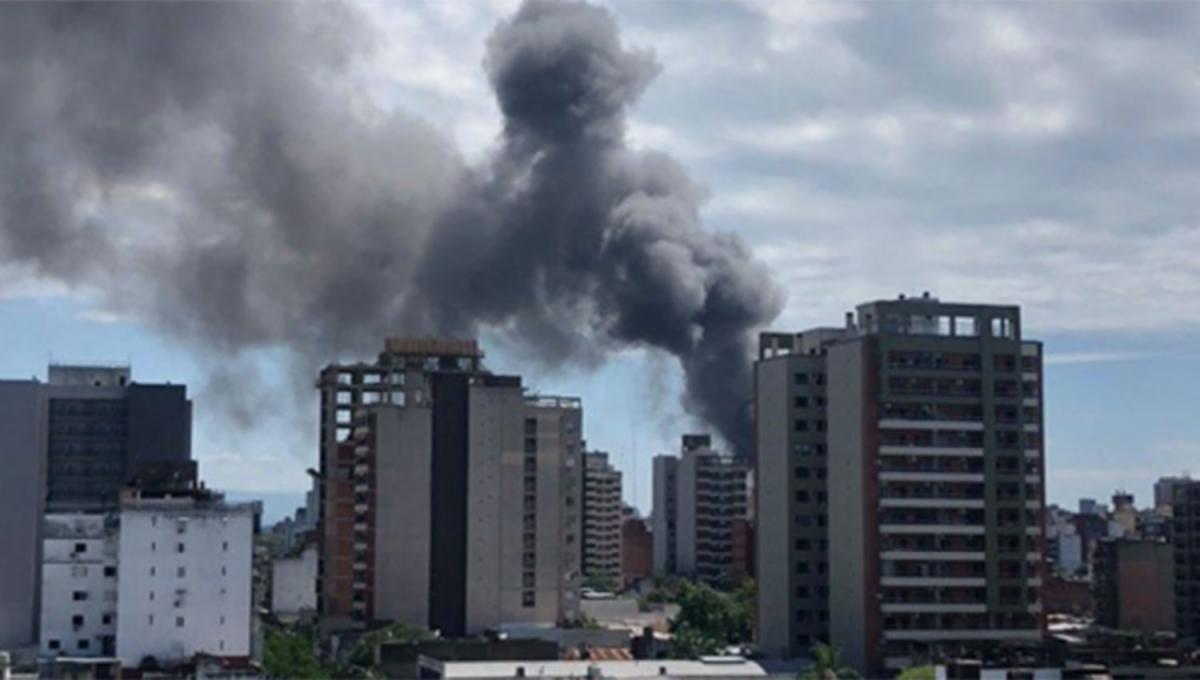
(1164, 493)
(601, 518)
(697, 498)
(1134, 585)
(1185, 537)
(22, 486)
(106, 432)
(450, 497)
(900, 484)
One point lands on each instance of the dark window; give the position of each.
(527, 599)
(79, 595)
(83, 644)
(801, 402)
(802, 426)
(179, 548)
(801, 378)
(81, 547)
(54, 644)
(77, 620)
(110, 571)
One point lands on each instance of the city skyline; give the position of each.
(933, 156)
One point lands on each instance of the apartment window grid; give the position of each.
(529, 534)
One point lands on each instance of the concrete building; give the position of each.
(79, 586)
(1164, 492)
(710, 492)
(450, 498)
(1124, 515)
(663, 514)
(22, 484)
(294, 584)
(184, 577)
(923, 509)
(601, 518)
(637, 550)
(106, 432)
(1185, 538)
(1134, 585)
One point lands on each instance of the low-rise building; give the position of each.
(637, 550)
(294, 584)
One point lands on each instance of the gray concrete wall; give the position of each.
(404, 445)
(774, 540)
(849, 595)
(663, 512)
(685, 515)
(22, 489)
(493, 546)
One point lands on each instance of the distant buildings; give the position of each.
(901, 462)
(1134, 585)
(697, 498)
(1185, 536)
(601, 518)
(450, 499)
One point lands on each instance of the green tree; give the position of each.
(918, 673)
(827, 664)
(601, 582)
(709, 620)
(288, 654)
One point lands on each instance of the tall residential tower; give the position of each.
(901, 472)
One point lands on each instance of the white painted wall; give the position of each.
(173, 604)
(294, 584)
(77, 551)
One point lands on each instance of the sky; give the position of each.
(1039, 154)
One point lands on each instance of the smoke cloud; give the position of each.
(216, 170)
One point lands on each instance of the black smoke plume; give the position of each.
(216, 169)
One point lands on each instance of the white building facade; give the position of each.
(294, 584)
(79, 585)
(184, 578)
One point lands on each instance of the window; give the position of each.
(181, 572)
(801, 378)
(78, 571)
(527, 599)
(153, 571)
(801, 402)
(803, 544)
(820, 378)
(83, 644)
(153, 546)
(111, 571)
(79, 595)
(223, 572)
(222, 619)
(801, 496)
(179, 548)
(81, 547)
(225, 546)
(106, 619)
(802, 473)
(179, 622)
(152, 619)
(54, 644)
(77, 620)
(151, 595)
(802, 426)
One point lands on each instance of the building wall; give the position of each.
(294, 584)
(22, 484)
(1185, 538)
(172, 604)
(159, 423)
(1145, 590)
(850, 520)
(601, 514)
(637, 550)
(775, 567)
(665, 513)
(685, 516)
(402, 532)
(79, 586)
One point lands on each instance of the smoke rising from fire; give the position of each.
(214, 169)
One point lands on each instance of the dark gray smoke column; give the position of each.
(216, 170)
(576, 239)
